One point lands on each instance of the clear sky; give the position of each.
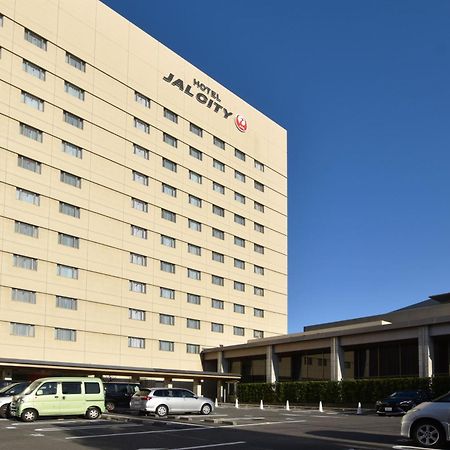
(363, 89)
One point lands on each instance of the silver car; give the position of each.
(163, 401)
(428, 423)
(6, 395)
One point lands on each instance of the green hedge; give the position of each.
(346, 392)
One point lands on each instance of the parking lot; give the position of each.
(226, 428)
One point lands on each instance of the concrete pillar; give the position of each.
(271, 365)
(425, 348)
(197, 387)
(168, 383)
(336, 360)
(222, 363)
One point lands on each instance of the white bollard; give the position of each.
(359, 410)
(320, 406)
(216, 403)
(237, 403)
(261, 406)
(287, 405)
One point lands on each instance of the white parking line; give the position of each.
(89, 427)
(211, 445)
(259, 424)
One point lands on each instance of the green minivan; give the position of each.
(60, 397)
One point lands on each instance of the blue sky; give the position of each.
(363, 89)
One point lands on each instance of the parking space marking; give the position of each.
(259, 424)
(89, 427)
(211, 445)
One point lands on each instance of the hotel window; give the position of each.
(193, 323)
(167, 267)
(167, 241)
(136, 258)
(73, 120)
(33, 101)
(168, 114)
(141, 151)
(35, 39)
(218, 165)
(238, 263)
(218, 211)
(67, 271)
(66, 302)
(257, 312)
(193, 348)
(258, 334)
(239, 241)
(167, 293)
(28, 164)
(218, 188)
(197, 154)
(215, 279)
(136, 314)
(219, 234)
(166, 319)
(194, 274)
(259, 207)
(76, 62)
(193, 299)
(140, 178)
(137, 286)
(240, 309)
(22, 329)
(27, 196)
(238, 331)
(219, 257)
(68, 240)
(140, 205)
(193, 200)
(168, 164)
(259, 166)
(72, 149)
(258, 248)
(1, 20)
(196, 130)
(259, 186)
(33, 70)
(194, 225)
(239, 176)
(142, 99)
(74, 91)
(219, 143)
(194, 249)
(23, 295)
(64, 334)
(69, 210)
(168, 139)
(239, 198)
(138, 232)
(169, 190)
(194, 176)
(238, 286)
(216, 327)
(168, 215)
(239, 219)
(69, 178)
(258, 270)
(258, 291)
(136, 342)
(26, 228)
(258, 227)
(239, 155)
(166, 346)
(216, 303)
(141, 125)
(31, 132)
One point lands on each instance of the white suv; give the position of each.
(428, 423)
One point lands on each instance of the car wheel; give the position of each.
(206, 409)
(428, 434)
(93, 413)
(4, 410)
(29, 415)
(110, 406)
(162, 410)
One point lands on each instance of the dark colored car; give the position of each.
(118, 394)
(400, 402)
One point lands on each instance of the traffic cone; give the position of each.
(287, 405)
(320, 406)
(359, 410)
(261, 406)
(237, 403)
(216, 403)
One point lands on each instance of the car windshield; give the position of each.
(31, 387)
(403, 394)
(14, 389)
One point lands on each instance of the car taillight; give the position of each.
(146, 397)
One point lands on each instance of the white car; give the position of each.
(428, 423)
(7, 393)
(162, 401)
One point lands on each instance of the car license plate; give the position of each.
(388, 408)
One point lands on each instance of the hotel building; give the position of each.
(143, 206)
